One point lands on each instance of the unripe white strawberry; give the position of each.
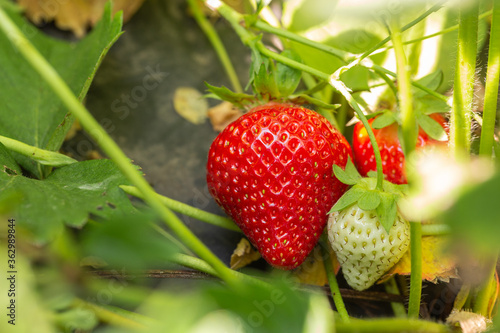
(363, 247)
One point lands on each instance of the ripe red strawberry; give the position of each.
(393, 159)
(271, 171)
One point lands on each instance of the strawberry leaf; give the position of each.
(223, 93)
(288, 78)
(370, 200)
(387, 210)
(384, 120)
(349, 175)
(67, 196)
(31, 112)
(432, 81)
(431, 127)
(350, 197)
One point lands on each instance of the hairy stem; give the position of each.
(491, 88)
(463, 88)
(410, 131)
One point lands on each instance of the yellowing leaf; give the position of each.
(222, 115)
(243, 255)
(312, 270)
(75, 15)
(190, 104)
(437, 264)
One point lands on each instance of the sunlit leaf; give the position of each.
(437, 263)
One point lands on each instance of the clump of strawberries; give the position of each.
(282, 172)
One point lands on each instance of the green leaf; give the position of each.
(67, 196)
(349, 197)
(430, 104)
(264, 82)
(116, 241)
(387, 210)
(31, 112)
(223, 93)
(431, 127)
(349, 175)
(387, 118)
(475, 215)
(432, 81)
(369, 200)
(303, 15)
(288, 78)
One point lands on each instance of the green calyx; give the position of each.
(364, 193)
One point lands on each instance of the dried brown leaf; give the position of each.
(222, 115)
(190, 104)
(243, 255)
(469, 322)
(76, 15)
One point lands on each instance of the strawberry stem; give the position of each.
(42, 156)
(491, 88)
(463, 88)
(88, 122)
(187, 210)
(409, 127)
(332, 281)
(217, 44)
(485, 295)
(398, 308)
(340, 54)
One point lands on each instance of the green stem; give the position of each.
(409, 124)
(60, 88)
(340, 54)
(332, 281)
(491, 89)
(463, 88)
(428, 12)
(340, 87)
(440, 32)
(45, 157)
(377, 68)
(485, 294)
(398, 308)
(115, 316)
(391, 325)
(217, 44)
(409, 127)
(416, 269)
(185, 209)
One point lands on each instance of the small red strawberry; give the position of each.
(393, 159)
(271, 171)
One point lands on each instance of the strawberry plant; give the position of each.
(94, 245)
